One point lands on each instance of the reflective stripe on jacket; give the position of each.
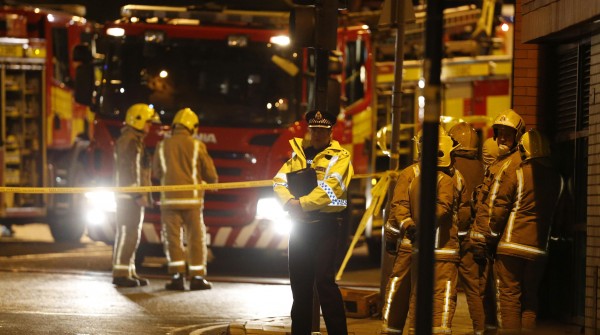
(183, 160)
(524, 209)
(334, 172)
(500, 172)
(131, 167)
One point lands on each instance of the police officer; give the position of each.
(132, 167)
(398, 243)
(468, 163)
(316, 224)
(182, 159)
(522, 216)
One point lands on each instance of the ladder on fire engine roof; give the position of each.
(455, 19)
(176, 15)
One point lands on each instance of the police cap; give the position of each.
(318, 119)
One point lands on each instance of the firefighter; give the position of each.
(316, 223)
(398, 244)
(508, 128)
(522, 215)
(446, 248)
(132, 169)
(468, 163)
(181, 159)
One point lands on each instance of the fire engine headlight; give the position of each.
(99, 205)
(270, 209)
(281, 40)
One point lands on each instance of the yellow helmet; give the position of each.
(187, 118)
(445, 148)
(509, 118)
(534, 144)
(138, 114)
(465, 135)
(418, 139)
(489, 151)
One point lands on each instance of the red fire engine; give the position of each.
(236, 70)
(39, 119)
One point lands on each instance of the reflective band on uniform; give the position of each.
(196, 267)
(120, 267)
(516, 206)
(405, 221)
(446, 251)
(446, 313)
(521, 247)
(195, 180)
(388, 299)
(177, 263)
(176, 201)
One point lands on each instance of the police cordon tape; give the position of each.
(378, 193)
(146, 189)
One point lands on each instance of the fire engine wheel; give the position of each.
(70, 226)
(66, 228)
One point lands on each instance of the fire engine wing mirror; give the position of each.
(84, 75)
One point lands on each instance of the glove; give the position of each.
(391, 247)
(479, 254)
(411, 233)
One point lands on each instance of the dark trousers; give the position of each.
(311, 262)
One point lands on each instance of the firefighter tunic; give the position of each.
(522, 216)
(132, 169)
(397, 292)
(183, 160)
(468, 270)
(314, 236)
(446, 250)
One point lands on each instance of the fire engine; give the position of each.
(237, 71)
(39, 119)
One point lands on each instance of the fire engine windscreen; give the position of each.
(250, 86)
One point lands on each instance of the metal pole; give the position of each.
(432, 71)
(398, 19)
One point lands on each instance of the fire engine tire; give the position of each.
(66, 228)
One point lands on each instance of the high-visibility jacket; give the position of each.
(334, 171)
(182, 159)
(524, 209)
(132, 166)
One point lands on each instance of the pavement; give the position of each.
(371, 325)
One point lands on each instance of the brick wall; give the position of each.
(525, 75)
(592, 316)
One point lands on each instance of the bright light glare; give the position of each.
(116, 32)
(95, 217)
(270, 209)
(280, 40)
(421, 83)
(505, 27)
(163, 74)
(50, 18)
(102, 200)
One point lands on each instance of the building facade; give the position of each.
(556, 87)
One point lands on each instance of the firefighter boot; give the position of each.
(177, 283)
(125, 282)
(143, 281)
(199, 283)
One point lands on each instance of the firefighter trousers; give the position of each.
(311, 263)
(518, 283)
(473, 278)
(177, 223)
(397, 293)
(444, 297)
(129, 219)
